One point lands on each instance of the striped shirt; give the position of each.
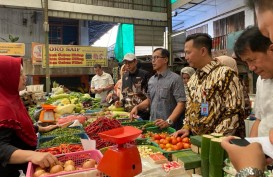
(219, 86)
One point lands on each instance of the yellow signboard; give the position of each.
(75, 56)
(12, 49)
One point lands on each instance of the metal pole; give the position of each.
(169, 33)
(46, 29)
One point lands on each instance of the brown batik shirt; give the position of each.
(218, 86)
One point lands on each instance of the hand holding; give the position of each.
(47, 128)
(43, 159)
(242, 157)
(133, 113)
(183, 132)
(161, 123)
(109, 96)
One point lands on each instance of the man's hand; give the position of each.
(161, 123)
(243, 157)
(182, 132)
(109, 96)
(133, 113)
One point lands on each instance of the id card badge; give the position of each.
(204, 109)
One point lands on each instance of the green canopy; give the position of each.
(125, 42)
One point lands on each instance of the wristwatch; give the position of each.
(249, 171)
(169, 121)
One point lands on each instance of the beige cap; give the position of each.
(129, 57)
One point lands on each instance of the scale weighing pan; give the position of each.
(47, 113)
(121, 135)
(48, 106)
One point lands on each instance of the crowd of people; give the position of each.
(207, 97)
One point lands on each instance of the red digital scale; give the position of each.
(47, 114)
(122, 160)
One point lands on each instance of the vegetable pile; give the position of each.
(62, 149)
(62, 131)
(70, 139)
(100, 125)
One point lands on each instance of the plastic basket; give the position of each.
(45, 139)
(77, 157)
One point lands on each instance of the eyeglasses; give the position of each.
(128, 62)
(154, 58)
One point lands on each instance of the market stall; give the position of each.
(120, 147)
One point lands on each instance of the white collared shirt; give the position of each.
(264, 105)
(101, 81)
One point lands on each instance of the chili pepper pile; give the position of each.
(62, 149)
(100, 125)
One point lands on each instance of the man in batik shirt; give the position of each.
(215, 103)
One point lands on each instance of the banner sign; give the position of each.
(37, 53)
(70, 55)
(12, 49)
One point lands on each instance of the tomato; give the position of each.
(156, 137)
(157, 141)
(179, 145)
(165, 141)
(163, 136)
(162, 146)
(161, 141)
(178, 139)
(168, 139)
(168, 145)
(169, 149)
(186, 140)
(186, 145)
(174, 141)
(175, 147)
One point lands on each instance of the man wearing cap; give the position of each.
(134, 85)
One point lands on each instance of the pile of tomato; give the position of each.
(170, 143)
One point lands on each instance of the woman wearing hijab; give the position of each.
(228, 61)
(17, 134)
(186, 74)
